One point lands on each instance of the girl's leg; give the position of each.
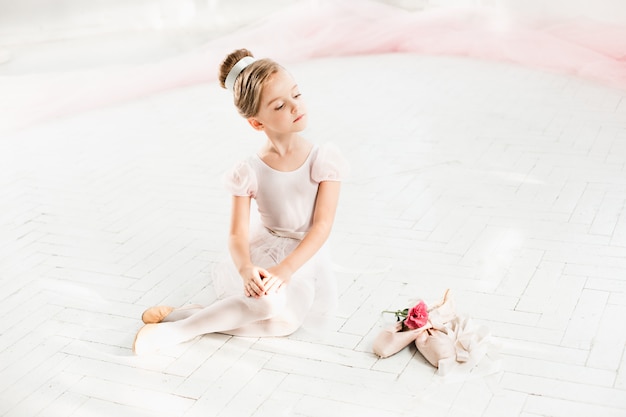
(276, 326)
(157, 314)
(298, 304)
(230, 313)
(277, 314)
(182, 313)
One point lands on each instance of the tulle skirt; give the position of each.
(312, 291)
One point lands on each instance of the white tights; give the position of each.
(277, 314)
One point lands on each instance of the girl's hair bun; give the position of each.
(229, 62)
(248, 84)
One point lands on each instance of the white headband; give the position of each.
(236, 70)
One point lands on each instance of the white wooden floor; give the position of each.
(505, 184)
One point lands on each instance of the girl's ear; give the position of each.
(255, 123)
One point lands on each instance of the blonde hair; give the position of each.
(249, 84)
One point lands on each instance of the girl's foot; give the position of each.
(149, 339)
(156, 314)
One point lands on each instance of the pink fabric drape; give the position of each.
(592, 50)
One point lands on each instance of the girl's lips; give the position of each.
(298, 118)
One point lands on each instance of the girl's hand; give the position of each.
(278, 276)
(272, 284)
(253, 285)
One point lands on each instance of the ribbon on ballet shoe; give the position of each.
(444, 311)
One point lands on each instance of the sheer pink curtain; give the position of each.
(593, 49)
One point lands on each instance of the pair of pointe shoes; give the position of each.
(147, 339)
(392, 339)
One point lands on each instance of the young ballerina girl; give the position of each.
(280, 272)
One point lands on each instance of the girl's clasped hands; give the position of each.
(259, 282)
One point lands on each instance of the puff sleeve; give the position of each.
(329, 164)
(241, 180)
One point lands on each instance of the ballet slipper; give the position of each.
(156, 314)
(149, 339)
(392, 339)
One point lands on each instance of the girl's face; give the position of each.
(282, 109)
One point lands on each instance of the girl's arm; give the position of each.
(239, 247)
(323, 218)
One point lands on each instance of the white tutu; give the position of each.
(312, 291)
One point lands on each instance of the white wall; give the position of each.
(38, 20)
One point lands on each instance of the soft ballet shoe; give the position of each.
(392, 339)
(156, 314)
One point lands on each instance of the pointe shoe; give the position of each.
(435, 345)
(156, 314)
(147, 340)
(392, 340)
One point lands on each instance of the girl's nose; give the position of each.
(294, 107)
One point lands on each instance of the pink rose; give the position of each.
(418, 316)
